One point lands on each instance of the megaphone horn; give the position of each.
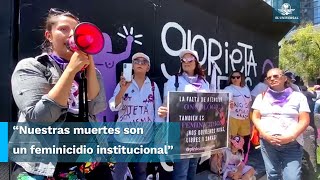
(87, 38)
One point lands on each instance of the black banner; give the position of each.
(203, 120)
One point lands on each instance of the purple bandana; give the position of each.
(278, 98)
(62, 63)
(194, 80)
(73, 100)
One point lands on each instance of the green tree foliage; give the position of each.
(300, 52)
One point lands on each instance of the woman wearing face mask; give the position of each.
(46, 88)
(281, 115)
(191, 79)
(240, 107)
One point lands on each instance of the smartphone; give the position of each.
(127, 71)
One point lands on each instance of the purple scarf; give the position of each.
(278, 98)
(73, 100)
(62, 63)
(194, 80)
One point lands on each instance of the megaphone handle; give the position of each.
(83, 98)
(86, 107)
(85, 66)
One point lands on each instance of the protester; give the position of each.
(190, 78)
(45, 89)
(298, 81)
(316, 88)
(291, 80)
(310, 95)
(142, 93)
(309, 163)
(281, 115)
(316, 109)
(317, 99)
(239, 122)
(260, 87)
(234, 166)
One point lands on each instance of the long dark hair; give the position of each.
(242, 83)
(198, 70)
(46, 46)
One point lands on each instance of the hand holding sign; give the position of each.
(162, 111)
(231, 104)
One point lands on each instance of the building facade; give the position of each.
(316, 4)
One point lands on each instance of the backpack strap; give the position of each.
(176, 83)
(50, 71)
(249, 143)
(43, 60)
(154, 105)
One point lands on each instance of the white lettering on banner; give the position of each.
(243, 55)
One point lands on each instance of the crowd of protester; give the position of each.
(280, 107)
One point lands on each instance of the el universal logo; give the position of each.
(286, 9)
(287, 13)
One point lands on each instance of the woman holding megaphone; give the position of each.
(46, 89)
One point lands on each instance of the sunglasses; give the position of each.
(187, 60)
(235, 77)
(276, 76)
(141, 62)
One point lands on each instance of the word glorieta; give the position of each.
(215, 53)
